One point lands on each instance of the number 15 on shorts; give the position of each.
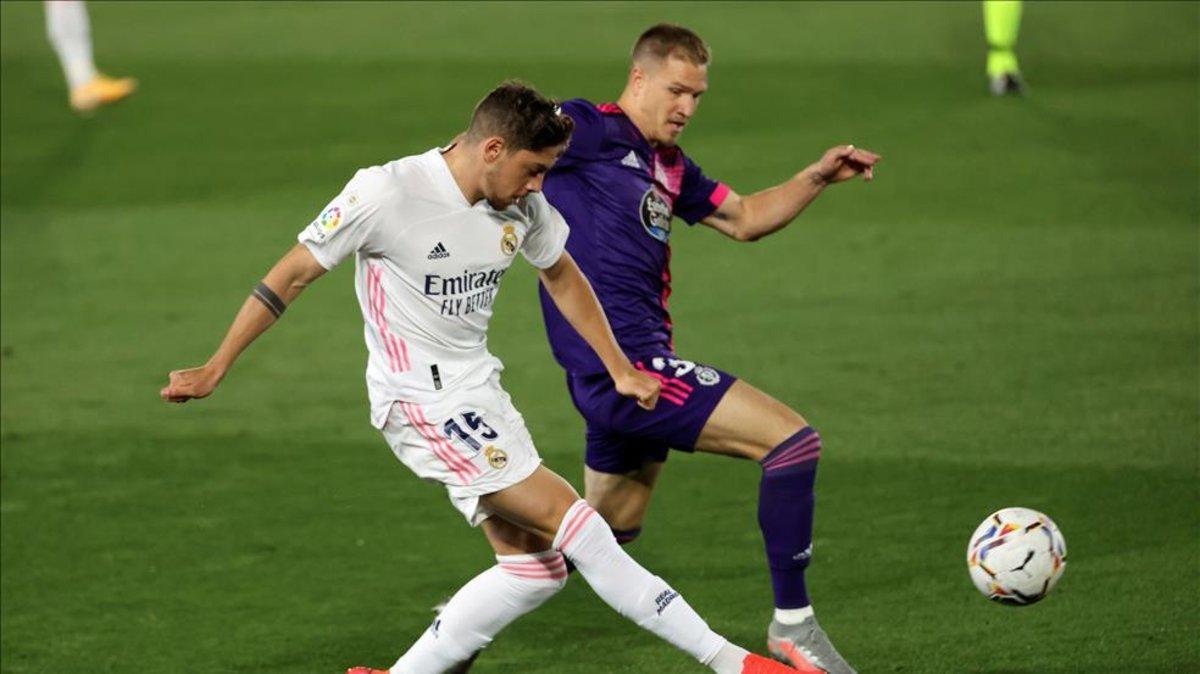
(473, 430)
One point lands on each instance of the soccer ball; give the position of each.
(1016, 555)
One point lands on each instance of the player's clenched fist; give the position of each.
(639, 386)
(844, 162)
(196, 382)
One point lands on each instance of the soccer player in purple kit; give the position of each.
(619, 184)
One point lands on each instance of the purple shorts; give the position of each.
(622, 436)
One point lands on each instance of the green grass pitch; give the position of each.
(1007, 316)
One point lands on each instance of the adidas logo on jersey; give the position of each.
(631, 160)
(439, 251)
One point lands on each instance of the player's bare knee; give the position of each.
(754, 450)
(547, 515)
(621, 501)
(507, 538)
(624, 518)
(785, 424)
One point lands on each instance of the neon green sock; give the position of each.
(1001, 62)
(1001, 22)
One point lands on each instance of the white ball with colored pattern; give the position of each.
(1016, 556)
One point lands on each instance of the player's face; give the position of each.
(670, 91)
(513, 175)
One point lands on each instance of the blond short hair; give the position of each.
(666, 40)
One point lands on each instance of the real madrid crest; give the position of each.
(496, 458)
(508, 242)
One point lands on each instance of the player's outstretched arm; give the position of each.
(286, 280)
(752, 217)
(573, 295)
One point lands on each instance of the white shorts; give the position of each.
(473, 441)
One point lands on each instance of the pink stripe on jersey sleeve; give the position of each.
(719, 195)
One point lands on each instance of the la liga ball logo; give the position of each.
(330, 218)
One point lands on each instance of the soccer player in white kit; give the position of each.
(432, 236)
(70, 33)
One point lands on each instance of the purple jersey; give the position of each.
(619, 194)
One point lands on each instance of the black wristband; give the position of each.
(270, 300)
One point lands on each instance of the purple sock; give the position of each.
(785, 513)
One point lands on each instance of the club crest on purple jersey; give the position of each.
(656, 215)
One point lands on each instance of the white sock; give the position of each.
(793, 616)
(481, 608)
(631, 590)
(70, 33)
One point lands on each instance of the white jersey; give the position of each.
(427, 269)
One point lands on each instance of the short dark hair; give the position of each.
(667, 39)
(524, 118)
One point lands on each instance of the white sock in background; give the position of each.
(70, 33)
(484, 606)
(793, 616)
(586, 539)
